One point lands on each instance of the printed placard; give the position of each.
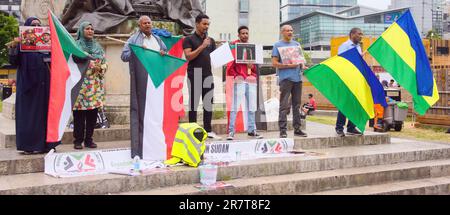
(245, 53)
(35, 39)
(291, 55)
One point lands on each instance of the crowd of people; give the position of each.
(33, 89)
(33, 84)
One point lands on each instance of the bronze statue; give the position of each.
(107, 15)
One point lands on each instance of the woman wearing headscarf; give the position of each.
(92, 93)
(32, 96)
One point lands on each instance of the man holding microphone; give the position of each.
(197, 49)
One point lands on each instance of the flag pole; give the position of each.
(117, 40)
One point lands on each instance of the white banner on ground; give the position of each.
(75, 164)
(247, 149)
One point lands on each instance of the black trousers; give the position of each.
(83, 126)
(340, 123)
(293, 90)
(203, 86)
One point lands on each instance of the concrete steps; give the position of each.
(119, 133)
(12, 162)
(325, 169)
(305, 183)
(115, 133)
(428, 186)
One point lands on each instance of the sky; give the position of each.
(379, 4)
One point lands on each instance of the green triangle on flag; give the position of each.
(157, 66)
(171, 41)
(68, 44)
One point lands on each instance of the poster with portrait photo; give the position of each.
(245, 53)
(35, 39)
(291, 55)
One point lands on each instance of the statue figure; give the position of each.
(106, 15)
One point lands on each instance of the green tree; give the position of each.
(305, 54)
(433, 35)
(9, 28)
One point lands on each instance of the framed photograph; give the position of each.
(245, 53)
(35, 39)
(291, 55)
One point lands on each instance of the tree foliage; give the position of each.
(9, 28)
(306, 54)
(433, 35)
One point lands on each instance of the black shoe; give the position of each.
(300, 133)
(255, 135)
(354, 132)
(283, 134)
(78, 146)
(91, 146)
(340, 133)
(27, 153)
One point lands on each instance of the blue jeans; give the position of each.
(244, 92)
(340, 123)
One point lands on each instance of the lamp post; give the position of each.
(309, 37)
(423, 17)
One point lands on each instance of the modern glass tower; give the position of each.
(291, 9)
(12, 7)
(427, 14)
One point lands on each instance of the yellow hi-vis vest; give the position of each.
(186, 147)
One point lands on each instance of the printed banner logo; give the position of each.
(79, 163)
(275, 146)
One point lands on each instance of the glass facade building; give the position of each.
(12, 7)
(316, 29)
(291, 9)
(427, 14)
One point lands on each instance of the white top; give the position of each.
(349, 45)
(151, 43)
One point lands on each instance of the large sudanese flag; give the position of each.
(400, 52)
(65, 78)
(160, 99)
(349, 84)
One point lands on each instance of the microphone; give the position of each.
(206, 37)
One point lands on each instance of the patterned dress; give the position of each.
(92, 93)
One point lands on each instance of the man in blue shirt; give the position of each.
(290, 81)
(355, 39)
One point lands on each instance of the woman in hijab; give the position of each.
(32, 96)
(92, 93)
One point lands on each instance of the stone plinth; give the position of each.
(117, 81)
(39, 9)
(9, 107)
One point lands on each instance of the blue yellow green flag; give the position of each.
(400, 52)
(349, 84)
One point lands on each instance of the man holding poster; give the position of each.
(289, 78)
(244, 87)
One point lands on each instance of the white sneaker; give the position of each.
(213, 135)
(230, 136)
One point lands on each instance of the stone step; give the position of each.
(120, 132)
(427, 186)
(331, 113)
(115, 133)
(12, 162)
(305, 183)
(323, 136)
(332, 159)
